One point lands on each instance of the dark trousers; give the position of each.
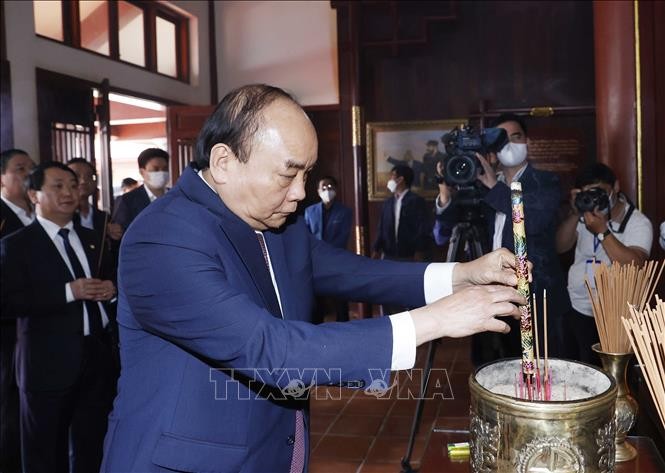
(10, 443)
(64, 430)
(581, 334)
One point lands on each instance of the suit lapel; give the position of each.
(91, 249)
(282, 273)
(51, 257)
(242, 237)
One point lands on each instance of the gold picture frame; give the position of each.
(391, 143)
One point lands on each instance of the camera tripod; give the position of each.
(466, 238)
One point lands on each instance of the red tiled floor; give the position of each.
(343, 447)
(357, 432)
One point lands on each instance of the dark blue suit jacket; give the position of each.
(413, 227)
(129, 206)
(338, 223)
(203, 345)
(49, 349)
(542, 195)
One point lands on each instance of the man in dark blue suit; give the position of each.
(542, 196)
(217, 281)
(403, 226)
(154, 168)
(50, 282)
(330, 221)
(15, 213)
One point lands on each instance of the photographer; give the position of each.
(541, 201)
(605, 227)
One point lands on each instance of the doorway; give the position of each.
(135, 124)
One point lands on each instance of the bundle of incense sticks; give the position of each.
(540, 389)
(646, 330)
(526, 333)
(616, 287)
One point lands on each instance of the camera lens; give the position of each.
(461, 170)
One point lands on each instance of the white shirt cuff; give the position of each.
(440, 208)
(438, 281)
(404, 342)
(69, 295)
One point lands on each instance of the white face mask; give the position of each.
(392, 186)
(158, 179)
(327, 195)
(513, 154)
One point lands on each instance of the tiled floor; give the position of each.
(356, 432)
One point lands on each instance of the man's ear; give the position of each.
(221, 158)
(616, 186)
(32, 195)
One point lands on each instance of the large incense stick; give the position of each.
(526, 333)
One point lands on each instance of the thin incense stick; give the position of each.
(535, 330)
(519, 234)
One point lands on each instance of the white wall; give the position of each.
(290, 44)
(26, 51)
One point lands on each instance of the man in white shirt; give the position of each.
(64, 362)
(613, 231)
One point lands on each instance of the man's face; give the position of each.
(431, 149)
(266, 189)
(514, 131)
(154, 164)
(326, 185)
(58, 198)
(87, 179)
(14, 184)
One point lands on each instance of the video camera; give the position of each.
(461, 164)
(588, 200)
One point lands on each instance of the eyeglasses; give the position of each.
(328, 187)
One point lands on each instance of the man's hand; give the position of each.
(88, 289)
(444, 190)
(108, 291)
(114, 231)
(596, 221)
(488, 177)
(471, 310)
(497, 267)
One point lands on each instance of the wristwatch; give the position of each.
(601, 236)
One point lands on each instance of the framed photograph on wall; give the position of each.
(414, 144)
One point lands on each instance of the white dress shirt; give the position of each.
(398, 210)
(52, 230)
(437, 283)
(25, 218)
(86, 221)
(151, 196)
(500, 217)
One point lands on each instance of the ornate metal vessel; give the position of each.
(511, 435)
(626, 407)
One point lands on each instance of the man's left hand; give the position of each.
(497, 267)
(488, 177)
(596, 221)
(107, 291)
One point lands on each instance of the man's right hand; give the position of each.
(471, 310)
(87, 288)
(444, 191)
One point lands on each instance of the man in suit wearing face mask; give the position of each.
(330, 221)
(154, 168)
(541, 193)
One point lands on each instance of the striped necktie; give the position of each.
(298, 459)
